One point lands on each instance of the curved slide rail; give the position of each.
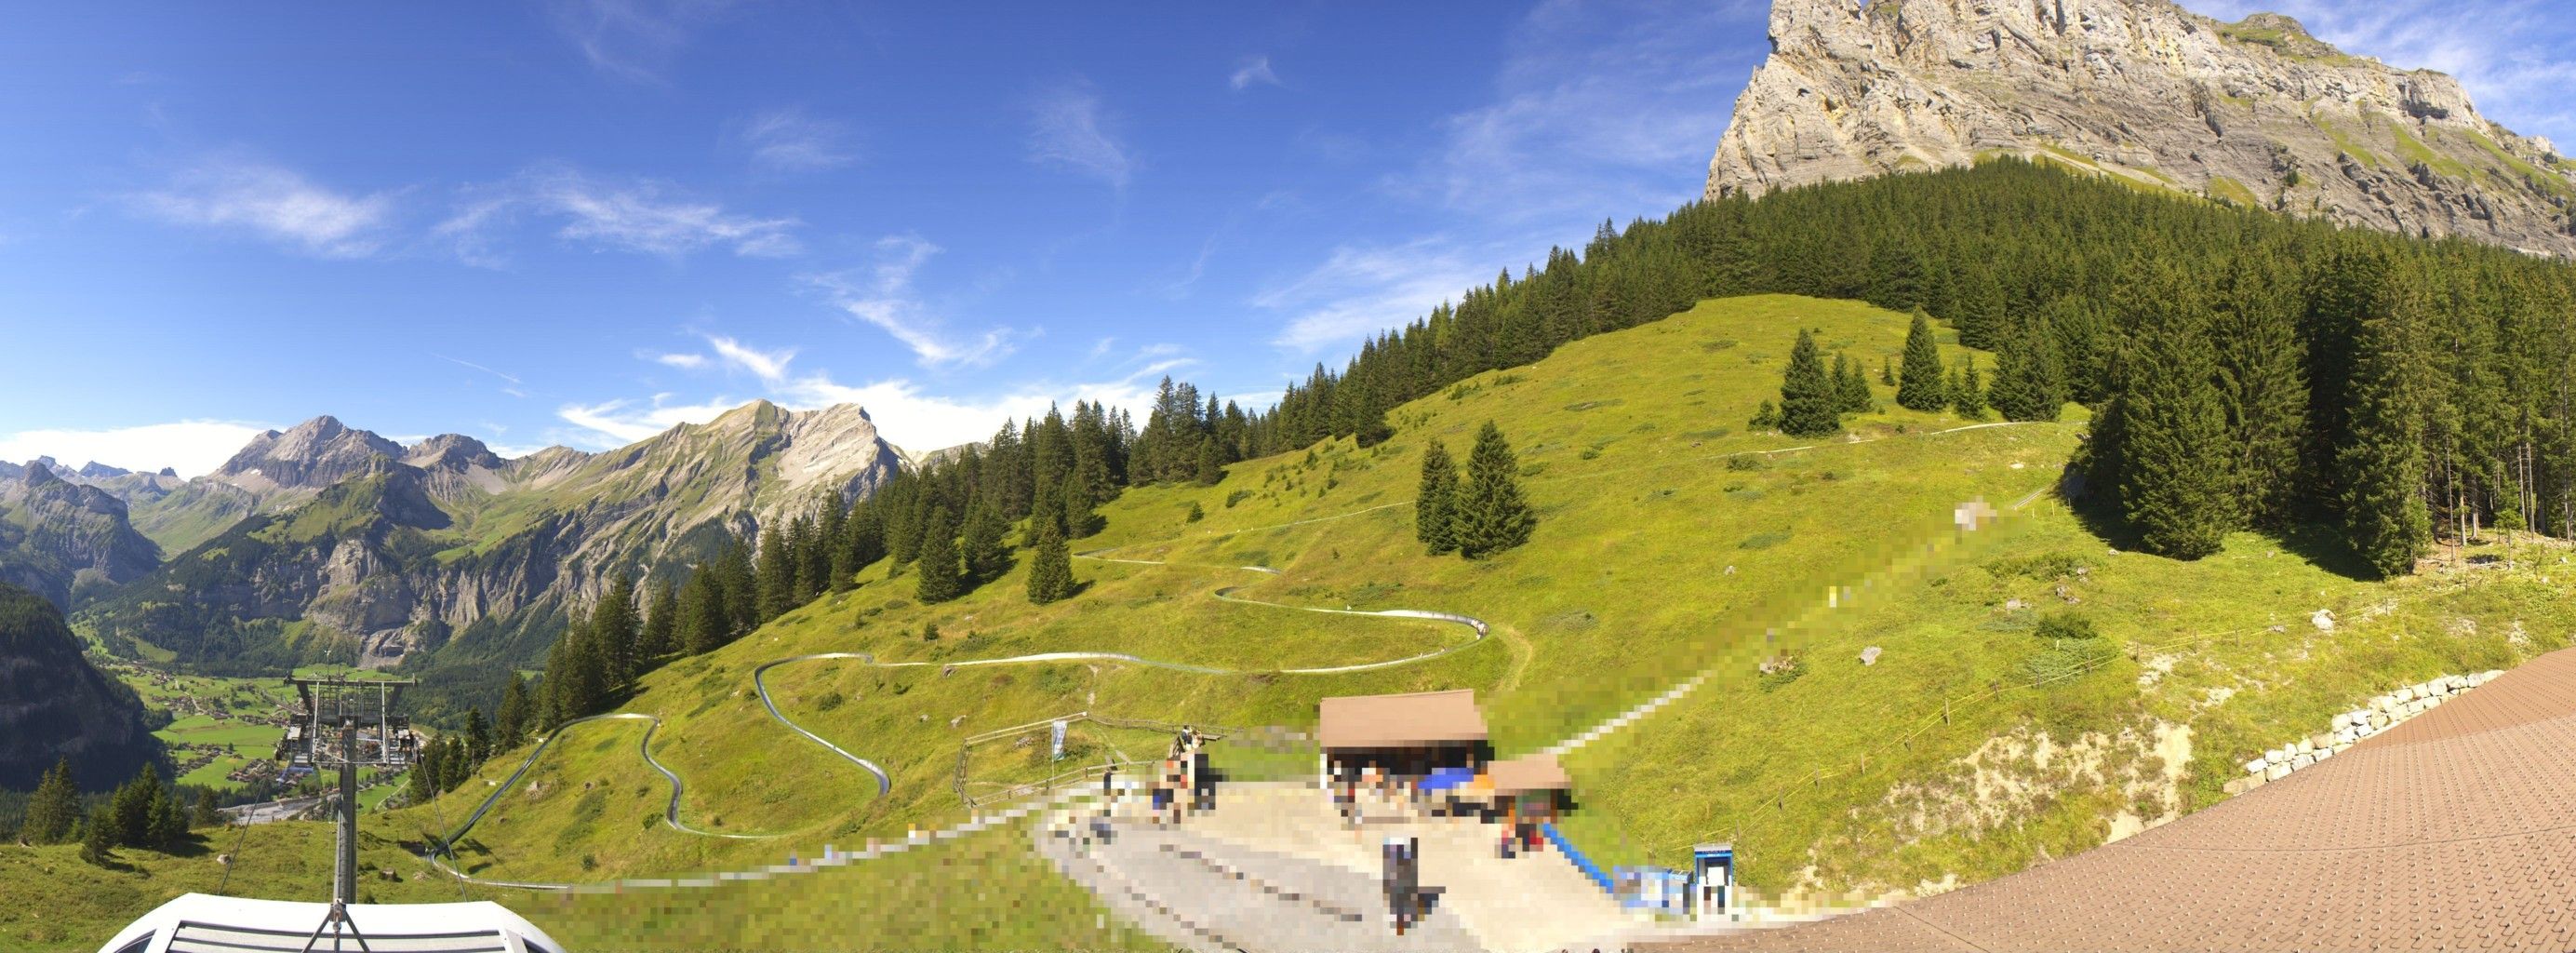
(644, 747)
(670, 810)
(885, 783)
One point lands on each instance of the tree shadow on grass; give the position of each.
(2097, 512)
(2320, 544)
(2324, 547)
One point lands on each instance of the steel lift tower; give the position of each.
(346, 724)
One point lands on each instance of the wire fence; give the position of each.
(976, 794)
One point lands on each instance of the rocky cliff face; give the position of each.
(59, 538)
(53, 704)
(2256, 113)
(446, 543)
(277, 470)
(311, 455)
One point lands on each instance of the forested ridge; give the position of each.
(2245, 369)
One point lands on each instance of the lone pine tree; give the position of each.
(2027, 386)
(512, 724)
(776, 578)
(1968, 390)
(2171, 431)
(1919, 384)
(1979, 308)
(54, 809)
(941, 571)
(661, 620)
(1050, 566)
(1435, 505)
(99, 836)
(1851, 390)
(2262, 383)
(2382, 463)
(986, 556)
(1491, 515)
(705, 625)
(1807, 397)
(615, 624)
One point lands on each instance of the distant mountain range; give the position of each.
(326, 541)
(2256, 113)
(61, 539)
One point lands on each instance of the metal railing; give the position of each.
(965, 785)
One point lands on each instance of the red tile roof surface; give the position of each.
(2455, 830)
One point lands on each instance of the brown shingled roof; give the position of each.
(1418, 720)
(2454, 831)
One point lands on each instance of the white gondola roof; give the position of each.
(200, 923)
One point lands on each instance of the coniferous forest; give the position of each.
(2246, 370)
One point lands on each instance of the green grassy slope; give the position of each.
(982, 891)
(51, 900)
(1673, 542)
(1646, 420)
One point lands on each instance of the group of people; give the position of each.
(1180, 784)
(1359, 791)
(1184, 784)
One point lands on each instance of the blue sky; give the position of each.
(580, 222)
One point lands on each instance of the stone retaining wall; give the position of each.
(2382, 713)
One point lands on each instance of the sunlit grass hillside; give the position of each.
(1673, 541)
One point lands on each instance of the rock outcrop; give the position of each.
(309, 456)
(2255, 113)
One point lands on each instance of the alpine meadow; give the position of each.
(2077, 475)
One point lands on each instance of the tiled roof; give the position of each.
(2455, 830)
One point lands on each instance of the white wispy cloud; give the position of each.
(637, 215)
(230, 191)
(1599, 108)
(683, 361)
(616, 423)
(882, 294)
(190, 447)
(512, 378)
(1253, 70)
(632, 39)
(789, 140)
(1361, 289)
(916, 420)
(2514, 56)
(906, 413)
(769, 366)
(1070, 128)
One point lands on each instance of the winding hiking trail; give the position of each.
(1482, 631)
